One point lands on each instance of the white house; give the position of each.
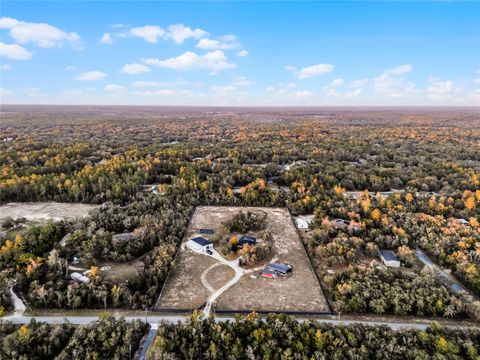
(389, 258)
(304, 222)
(200, 245)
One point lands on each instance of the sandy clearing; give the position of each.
(44, 211)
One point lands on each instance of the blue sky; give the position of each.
(240, 53)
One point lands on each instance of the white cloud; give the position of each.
(5, 92)
(163, 92)
(106, 39)
(242, 81)
(217, 44)
(71, 68)
(399, 70)
(337, 82)
(358, 83)
(391, 85)
(214, 61)
(5, 67)
(146, 83)
(476, 81)
(439, 90)
(150, 33)
(303, 94)
(311, 71)
(242, 53)
(475, 96)
(179, 33)
(283, 93)
(33, 92)
(134, 69)
(114, 88)
(41, 34)
(14, 51)
(347, 95)
(91, 76)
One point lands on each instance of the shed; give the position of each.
(269, 274)
(282, 269)
(389, 258)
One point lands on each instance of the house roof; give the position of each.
(389, 255)
(247, 239)
(201, 241)
(283, 268)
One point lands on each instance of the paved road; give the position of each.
(154, 320)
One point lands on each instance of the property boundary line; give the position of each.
(177, 251)
(311, 266)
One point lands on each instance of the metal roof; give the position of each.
(389, 255)
(283, 268)
(201, 241)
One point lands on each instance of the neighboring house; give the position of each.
(245, 239)
(389, 258)
(200, 245)
(280, 269)
(304, 222)
(79, 277)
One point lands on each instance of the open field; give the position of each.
(44, 211)
(300, 291)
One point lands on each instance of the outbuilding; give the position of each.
(200, 245)
(281, 269)
(269, 274)
(389, 258)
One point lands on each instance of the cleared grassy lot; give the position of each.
(297, 292)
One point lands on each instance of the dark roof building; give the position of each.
(279, 268)
(250, 240)
(201, 241)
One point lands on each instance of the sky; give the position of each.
(240, 53)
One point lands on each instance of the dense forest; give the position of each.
(106, 338)
(281, 337)
(402, 180)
